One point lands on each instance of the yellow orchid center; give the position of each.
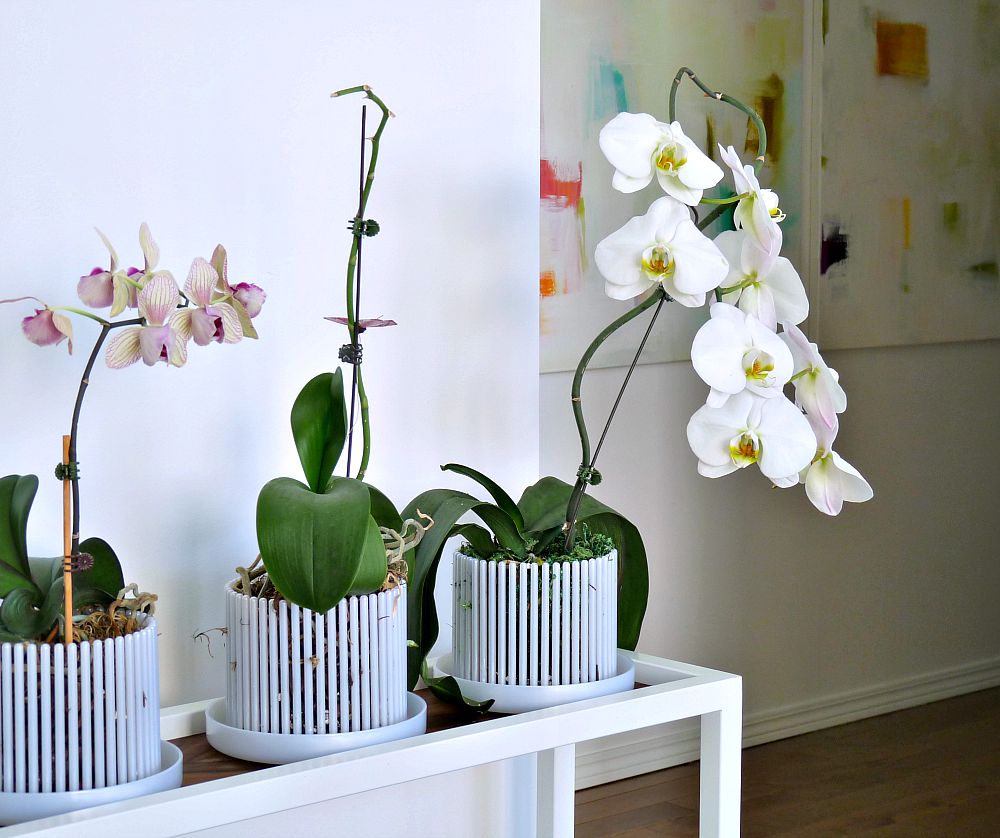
(657, 262)
(758, 365)
(745, 449)
(667, 160)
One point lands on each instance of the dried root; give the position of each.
(120, 618)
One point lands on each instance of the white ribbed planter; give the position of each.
(530, 625)
(332, 675)
(80, 724)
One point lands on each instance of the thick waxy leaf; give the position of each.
(503, 527)
(106, 574)
(503, 500)
(313, 545)
(319, 426)
(372, 566)
(445, 506)
(544, 506)
(17, 493)
(478, 537)
(446, 688)
(384, 510)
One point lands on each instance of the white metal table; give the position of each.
(549, 737)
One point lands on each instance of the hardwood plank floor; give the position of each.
(928, 771)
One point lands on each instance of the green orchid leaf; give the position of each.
(106, 574)
(319, 426)
(544, 507)
(384, 510)
(17, 493)
(372, 566)
(480, 539)
(445, 506)
(503, 500)
(503, 527)
(543, 538)
(29, 616)
(313, 545)
(446, 688)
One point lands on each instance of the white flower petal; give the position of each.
(791, 303)
(628, 142)
(699, 265)
(149, 247)
(823, 487)
(123, 349)
(854, 487)
(786, 482)
(705, 470)
(111, 251)
(671, 184)
(158, 298)
(788, 443)
(200, 282)
(710, 429)
(626, 184)
(717, 352)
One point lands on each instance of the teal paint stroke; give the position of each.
(608, 96)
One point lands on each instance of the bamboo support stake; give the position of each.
(67, 550)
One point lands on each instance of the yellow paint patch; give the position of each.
(901, 49)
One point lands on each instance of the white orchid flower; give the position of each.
(733, 352)
(661, 247)
(757, 212)
(761, 282)
(638, 147)
(748, 429)
(158, 340)
(830, 480)
(817, 386)
(209, 319)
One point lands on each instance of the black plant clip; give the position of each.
(350, 353)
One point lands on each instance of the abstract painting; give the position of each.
(911, 173)
(601, 57)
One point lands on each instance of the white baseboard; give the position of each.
(638, 752)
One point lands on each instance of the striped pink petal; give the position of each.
(123, 349)
(158, 298)
(201, 282)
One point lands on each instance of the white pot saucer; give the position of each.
(518, 699)
(282, 748)
(18, 807)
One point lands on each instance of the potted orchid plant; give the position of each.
(659, 257)
(316, 626)
(86, 707)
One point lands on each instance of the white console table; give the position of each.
(547, 738)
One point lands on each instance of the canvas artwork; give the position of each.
(600, 58)
(916, 260)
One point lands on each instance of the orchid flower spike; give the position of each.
(761, 282)
(757, 212)
(638, 147)
(830, 480)
(733, 352)
(749, 429)
(208, 320)
(158, 340)
(817, 386)
(661, 247)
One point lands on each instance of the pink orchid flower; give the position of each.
(363, 324)
(246, 298)
(117, 288)
(159, 339)
(46, 327)
(210, 319)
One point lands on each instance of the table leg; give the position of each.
(721, 754)
(556, 792)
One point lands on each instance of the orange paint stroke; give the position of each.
(557, 191)
(547, 284)
(901, 49)
(906, 223)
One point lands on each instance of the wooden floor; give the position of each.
(930, 771)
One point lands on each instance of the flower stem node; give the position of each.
(589, 475)
(363, 227)
(68, 471)
(350, 353)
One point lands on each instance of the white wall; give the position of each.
(212, 122)
(753, 580)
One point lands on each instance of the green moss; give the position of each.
(587, 545)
